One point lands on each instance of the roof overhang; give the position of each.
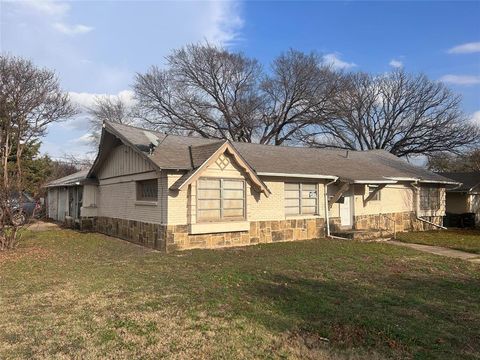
(446, 182)
(293, 175)
(375, 181)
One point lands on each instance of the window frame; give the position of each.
(222, 218)
(301, 198)
(139, 190)
(378, 196)
(426, 192)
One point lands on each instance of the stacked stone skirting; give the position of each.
(404, 221)
(146, 234)
(176, 237)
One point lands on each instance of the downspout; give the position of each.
(414, 185)
(327, 219)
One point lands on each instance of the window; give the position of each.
(220, 199)
(147, 190)
(300, 198)
(429, 198)
(371, 190)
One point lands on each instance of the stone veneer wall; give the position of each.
(176, 237)
(146, 234)
(404, 221)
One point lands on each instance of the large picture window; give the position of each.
(147, 190)
(429, 198)
(220, 199)
(300, 199)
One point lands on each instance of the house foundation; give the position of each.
(177, 237)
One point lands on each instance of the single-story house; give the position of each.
(465, 198)
(177, 192)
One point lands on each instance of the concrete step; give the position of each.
(363, 234)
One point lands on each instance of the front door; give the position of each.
(346, 212)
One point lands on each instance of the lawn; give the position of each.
(466, 240)
(69, 295)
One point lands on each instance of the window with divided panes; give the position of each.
(300, 198)
(429, 198)
(220, 199)
(147, 190)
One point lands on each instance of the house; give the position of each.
(174, 192)
(465, 198)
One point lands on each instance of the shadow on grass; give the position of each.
(423, 317)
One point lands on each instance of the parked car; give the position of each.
(22, 207)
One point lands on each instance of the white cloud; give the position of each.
(334, 60)
(461, 79)
(83, 101)
(84, 140)
(72, 29)
(46, 7)
(476, 118)
(467, 48)
(86, 100)
(395, 63)
(226, 23)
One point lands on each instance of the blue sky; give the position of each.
(97, 46)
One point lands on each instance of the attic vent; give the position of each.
(222, 162)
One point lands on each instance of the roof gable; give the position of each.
(204, 156)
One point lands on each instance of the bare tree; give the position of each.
(108, 108)
(30, 99)
(404, 114)
(209, 91)
(462, 162)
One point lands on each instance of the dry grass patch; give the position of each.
(92, 296)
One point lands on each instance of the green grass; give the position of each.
(465, 240)
(70, 295)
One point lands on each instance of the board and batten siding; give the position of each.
(123, 160)
(117, 189)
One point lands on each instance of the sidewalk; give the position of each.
(437, 250)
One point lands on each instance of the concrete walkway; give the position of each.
(437, 250)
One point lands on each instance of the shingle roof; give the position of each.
(469, 180)
(173, 152)
(69, 180)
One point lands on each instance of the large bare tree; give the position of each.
(404, 114)
(108, 108)
(30, 99)
(209, 91)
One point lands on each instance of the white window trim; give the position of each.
(221, 219)
(301, 214)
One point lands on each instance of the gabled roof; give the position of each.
(77, 178)
(204, 155)
(186, 152)
(469, 180)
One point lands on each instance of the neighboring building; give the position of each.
(466, 198)
(66, 201)
(172, 192)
